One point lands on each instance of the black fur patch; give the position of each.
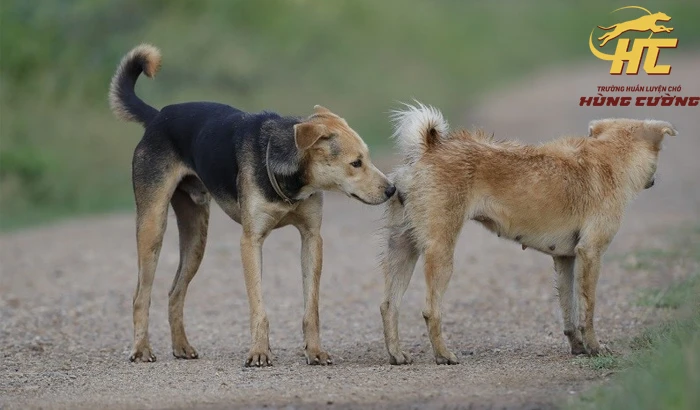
(335, 148)
(433, 137)
(218, 141)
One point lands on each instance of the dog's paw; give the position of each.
(258, 359)
(578, 350)
(447, 358)
(317, 356)
(143, 354)
(600, 350)
(185, 352)
(401, 358)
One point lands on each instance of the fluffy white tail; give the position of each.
(416, 128)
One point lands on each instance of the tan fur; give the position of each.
(330, 158)
(564, 198)
(153, 60)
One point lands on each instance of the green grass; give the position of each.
(603, 362)
(672, 297)
(661, 367)
(62, 152)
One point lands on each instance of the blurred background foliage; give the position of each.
(63, 153)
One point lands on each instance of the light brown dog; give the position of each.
(564, 198)
(264, 170)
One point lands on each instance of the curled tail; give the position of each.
(125, 104)
(607, 28)
(417, 128)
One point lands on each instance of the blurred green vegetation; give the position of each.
(660, 369)
(62, 152)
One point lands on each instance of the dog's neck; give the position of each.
(639, 163)
(285, 168)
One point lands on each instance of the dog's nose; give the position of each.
(389, 191)
(650, 183)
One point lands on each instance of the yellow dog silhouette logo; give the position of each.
(644, 23)
(633, 56)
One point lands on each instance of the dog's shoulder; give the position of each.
(563, 149)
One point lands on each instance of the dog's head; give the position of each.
(661, 16)
(338, 159)
(643, 137)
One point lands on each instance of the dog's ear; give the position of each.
(655, 131)
(321, 110)
(306, 134)
(596, 127)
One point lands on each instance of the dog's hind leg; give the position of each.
(153, 187)
(564, 267)
(398, 264)
(439, 261)
(192, 224)
(436, 233)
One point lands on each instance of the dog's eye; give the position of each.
(356, 163)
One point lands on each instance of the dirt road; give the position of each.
(65, 295)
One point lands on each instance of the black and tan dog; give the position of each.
(564, 198)
(264, 170)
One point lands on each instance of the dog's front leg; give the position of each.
(311, 263)
(307, 219)
(564, 267)
(251, 255)
(587, 271)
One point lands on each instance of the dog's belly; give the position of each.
(555, 242)
(230, 207)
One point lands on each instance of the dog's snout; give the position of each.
(390, 191)
(650, 183)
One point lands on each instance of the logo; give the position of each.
(633, 54)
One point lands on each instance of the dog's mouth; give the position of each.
(650, 183)
(361, 200)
